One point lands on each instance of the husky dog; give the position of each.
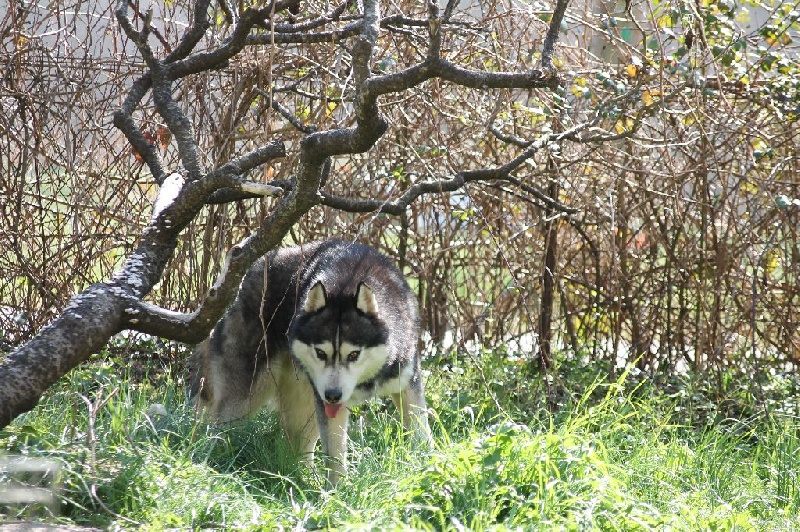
(315, 330)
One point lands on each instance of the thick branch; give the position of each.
(123, 120)
(434, 31)
(443, 69)
(238, 40)
(177, 122)
(296, 33)
(84, 327)
(548, 49)
(139, 38)
(245, 163)
(301, 30)
(192, 37)
(336, 35)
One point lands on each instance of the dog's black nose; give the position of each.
(333, 395)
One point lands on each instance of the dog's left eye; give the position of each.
(322, 355)
(353, 356)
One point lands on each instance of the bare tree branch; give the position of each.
(233, 45)
(123, 120)
(194, 34)
(285, 113)
(548, 49)
(500, 173)
(443, 69)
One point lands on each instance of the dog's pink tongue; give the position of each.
(332, 409)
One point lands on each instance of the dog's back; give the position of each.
(251, 337)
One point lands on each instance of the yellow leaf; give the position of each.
(771, 261)
(647, 97)
(759, 144)
(631, 71)
(749, 187)
(626, 124)
(665, 21)
(623, 125)
(743, 16)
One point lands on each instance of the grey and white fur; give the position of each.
(314, 330)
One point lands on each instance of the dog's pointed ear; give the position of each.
(316, 298)
(365, 300)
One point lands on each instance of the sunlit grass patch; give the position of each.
(512, 475)
(616, 455)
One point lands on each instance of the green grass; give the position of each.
(617, 455)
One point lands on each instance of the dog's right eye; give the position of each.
(322, 355)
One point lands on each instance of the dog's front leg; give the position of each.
(410, 403)
(298, 411)
(333, 434)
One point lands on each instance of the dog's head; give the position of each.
(340, 339)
